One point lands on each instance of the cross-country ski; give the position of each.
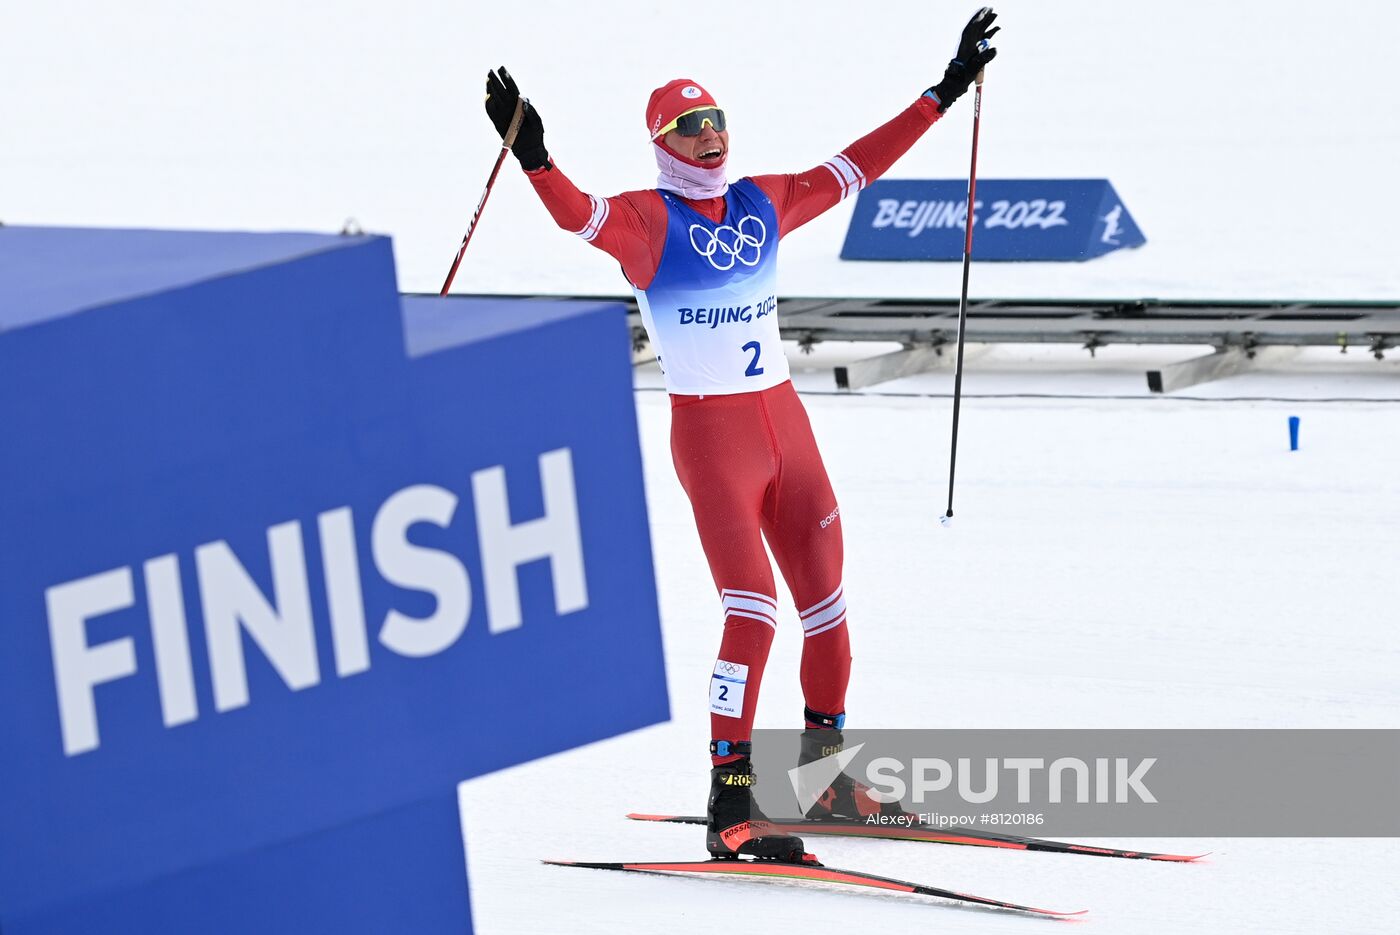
(809, 872)
(855, 828)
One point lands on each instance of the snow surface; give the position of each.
(1117, 560)
(1137, 563)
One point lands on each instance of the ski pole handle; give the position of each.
(519, 116)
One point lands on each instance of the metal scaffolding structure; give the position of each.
(1243, 335)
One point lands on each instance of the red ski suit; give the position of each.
(748, 461)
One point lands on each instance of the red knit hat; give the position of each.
(673, 99)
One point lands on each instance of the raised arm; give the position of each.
(801, 197)
(630, 228)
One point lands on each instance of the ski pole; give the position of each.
(947, 519)
(480, 205)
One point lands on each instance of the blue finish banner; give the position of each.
(286, 555)
(1014, 219)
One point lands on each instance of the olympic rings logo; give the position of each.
(725, 244)
(729, 667)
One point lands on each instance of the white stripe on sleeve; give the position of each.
(847, 173)
(596, 220)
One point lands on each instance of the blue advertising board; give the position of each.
(286, 557)
(1013, 219)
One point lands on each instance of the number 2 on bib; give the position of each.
(754, 369)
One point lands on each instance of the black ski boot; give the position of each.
(735, 825)
(845, 799)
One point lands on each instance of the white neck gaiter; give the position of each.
(687, 179)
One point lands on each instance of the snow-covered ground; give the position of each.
(1126, 563)
(1118, 560)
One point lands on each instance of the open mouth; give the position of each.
(710, 154)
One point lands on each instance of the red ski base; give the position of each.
(805, 872)
(857, 829)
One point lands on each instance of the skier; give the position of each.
(701, 253)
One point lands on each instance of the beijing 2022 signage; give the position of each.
(1014, 219)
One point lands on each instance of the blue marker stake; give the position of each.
(1293, 433)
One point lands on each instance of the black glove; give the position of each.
(973, 55)
(501, 97)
